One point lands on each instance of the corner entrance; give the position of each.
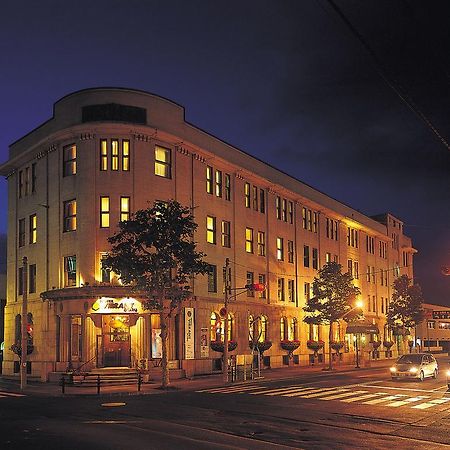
(114, 344)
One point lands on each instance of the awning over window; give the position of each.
(362, 327)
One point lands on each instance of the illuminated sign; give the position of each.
(441, 314)
(189, 333)
(107, 305)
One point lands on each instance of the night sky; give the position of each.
(289, 82)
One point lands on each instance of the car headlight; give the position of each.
(413, 370)
(393, 369)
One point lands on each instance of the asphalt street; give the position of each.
(351, 408)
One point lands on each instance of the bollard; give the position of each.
(63, 384)
(98, 384)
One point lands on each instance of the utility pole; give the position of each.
(24, 343)
(227, 288)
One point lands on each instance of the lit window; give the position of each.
(103, 154)
(104, 212)
(209, 179)
(211, 229)
(261, 243)
(124, 209)
(21, 232)
(126, 156)
(163, 162)
(216, 333)
(70, 160)
(249, 240)
(114, 154)
(247, 194)
(33, 229)
(280, 249)
(70, 215)
(70, 271)
(283, 328)
(226, 234)
(218, 183)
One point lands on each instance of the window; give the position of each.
(27, 180)
(307, 291)
(293, 329)
(124, 209)
(70, 271)
(374, 304)
(290, 251)
(104, 212)
(21, 232)
(310, 220)
(327, 257)
(352, 237)
(385, 277)
(125, 156)
(278, 207)
(70, 215)
(373, 274)
(103, 154)
(262, 201)
(209, 179)
(382, 249)
(350, 267)
(249, 240)
(291, 212)
(226, 234)
(69, 160)
(32, 278)
(283, 328)
(262, 328)
(306, 255)
(291, 291)
(247, 195)
(216, 329)
(431, 325)
(210, 229)
(281, 294)
(284, 210)
(315, 258)
(33, 177)
(20, 281)
(33, 229)
(280, 249)
(163, 163)
(262, 280)
(105, 272)
(227, 187)
(20, 187)
(356, 270)
(212, 278)
(218, 183)
(250, 280)
(261, 243)
(370, 244)
(368, 274)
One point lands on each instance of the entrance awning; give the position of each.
(362, 327)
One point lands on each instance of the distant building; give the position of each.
(434, 332)
(108, 152)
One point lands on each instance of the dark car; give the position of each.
(415, 365)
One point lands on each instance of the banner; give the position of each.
(189, 333)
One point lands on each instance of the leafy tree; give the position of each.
(333, 294)
(154, 252)
(405, 310)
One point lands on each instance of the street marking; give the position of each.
(429, 404)
(399, 388)
(113, 404)
(384, 399)
(278, 391)
(322, 392)
(406, 401)
(292, 392)
(302, 393)
(345, 394)
(362, 397)
(10, 394)
(231, 389)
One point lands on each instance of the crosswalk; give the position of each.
(345, 394)
(5, 394)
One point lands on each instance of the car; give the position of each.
(415, 365)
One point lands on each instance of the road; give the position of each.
(355, 409)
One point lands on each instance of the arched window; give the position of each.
(230, 327)
(262, 328)
(216, 333)
(314, 332)
(250, 327)
(283, 328)
(292, 331)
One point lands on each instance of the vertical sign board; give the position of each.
(189, 333)
(204, 349)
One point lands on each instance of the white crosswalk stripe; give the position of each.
(344, 394)
(4, 394)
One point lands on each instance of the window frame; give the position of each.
(69, 160)
(211, 229)
(105, 209)
(164, 164)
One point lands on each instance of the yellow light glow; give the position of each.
(393, 369)
(359, 303)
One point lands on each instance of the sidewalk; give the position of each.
(196, 383)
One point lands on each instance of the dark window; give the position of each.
(227, 187)
(70, 271)
(20, 281)
(212, 278)
(306, 255)
(21, 232)
(33, 177)
(114, 112)
(105, 271)
(32, 278)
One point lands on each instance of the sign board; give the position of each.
(204, 348)
(109, 305)
(189, 333)
(441, 314)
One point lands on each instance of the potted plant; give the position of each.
(337, 346)
(261, 346)
(376, 344)
(387, 344)
(315, 345)
(218, 346)
(290, 345)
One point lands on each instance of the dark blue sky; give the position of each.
(285, 81)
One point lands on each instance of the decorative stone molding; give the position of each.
(87, 136)
(145, 137)
(199, 157)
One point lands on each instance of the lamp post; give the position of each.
(356, 349)
(24, 335)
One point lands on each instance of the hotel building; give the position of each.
(108, 152)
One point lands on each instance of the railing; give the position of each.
(77, 371)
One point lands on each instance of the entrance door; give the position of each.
(115, 342)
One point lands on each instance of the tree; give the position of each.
(154, 252)
(333, 294)
(405, 310)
